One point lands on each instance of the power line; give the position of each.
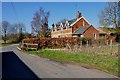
(76, 7)
(15, 12)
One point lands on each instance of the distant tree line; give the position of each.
(17, 31)
(13, 33)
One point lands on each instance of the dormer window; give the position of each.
(94, 36)
(67, 25)
(52, 28)
(55, 27)
(61, 26)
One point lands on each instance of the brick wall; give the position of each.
(91, 32)
(78, 24)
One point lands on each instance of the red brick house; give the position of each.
(77, 27)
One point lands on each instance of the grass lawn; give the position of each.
(2, 43)
(105, 63)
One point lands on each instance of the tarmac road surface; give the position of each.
(37, 67)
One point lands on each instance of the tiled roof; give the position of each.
(69, 21)
(81, 29)
(107, 30)
(57, 25)
(101, 31)
(72, 21)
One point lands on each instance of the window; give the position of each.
(95, 36)
(67, 26)
(78, 35)
(81, 36)
(83, 23)
(61, 28)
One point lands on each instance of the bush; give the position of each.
(102, 41)
(84, 41)
(52, 42)
(69, 42)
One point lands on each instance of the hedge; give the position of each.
(62, 42)
(52, 42)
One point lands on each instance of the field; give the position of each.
(103, 50)
(107, 63)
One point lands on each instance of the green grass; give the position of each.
(1, 41)
(3, 44)
(105, 63)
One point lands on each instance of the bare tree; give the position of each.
(1, 26)
(118, 28)
(119, 13)
(5, 28)
(0, 30)
(39, 23)
(21, 29)
(109, 15)
(15, 28)
(62, 21)
(16, 31)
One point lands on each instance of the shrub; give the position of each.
(69, 42)
(52, 42)
(84, 41)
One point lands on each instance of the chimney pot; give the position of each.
(78, 14)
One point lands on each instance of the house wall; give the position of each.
(91, 32)
(64, 33)
(79, 24)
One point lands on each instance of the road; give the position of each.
(45, 68)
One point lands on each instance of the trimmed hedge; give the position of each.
(68, 42)
(52, 42)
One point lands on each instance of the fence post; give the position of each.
(87, 43)
(107, 42)
(27, 46)
(111, 46)
(81, 42)
(111, 42)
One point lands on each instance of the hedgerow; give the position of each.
(52, 42)
(68, 42)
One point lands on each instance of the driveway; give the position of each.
(45, 68)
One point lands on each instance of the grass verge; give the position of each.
(105, 63)
(3, 44)
(7, 44)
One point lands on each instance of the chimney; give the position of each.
(78, 15)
